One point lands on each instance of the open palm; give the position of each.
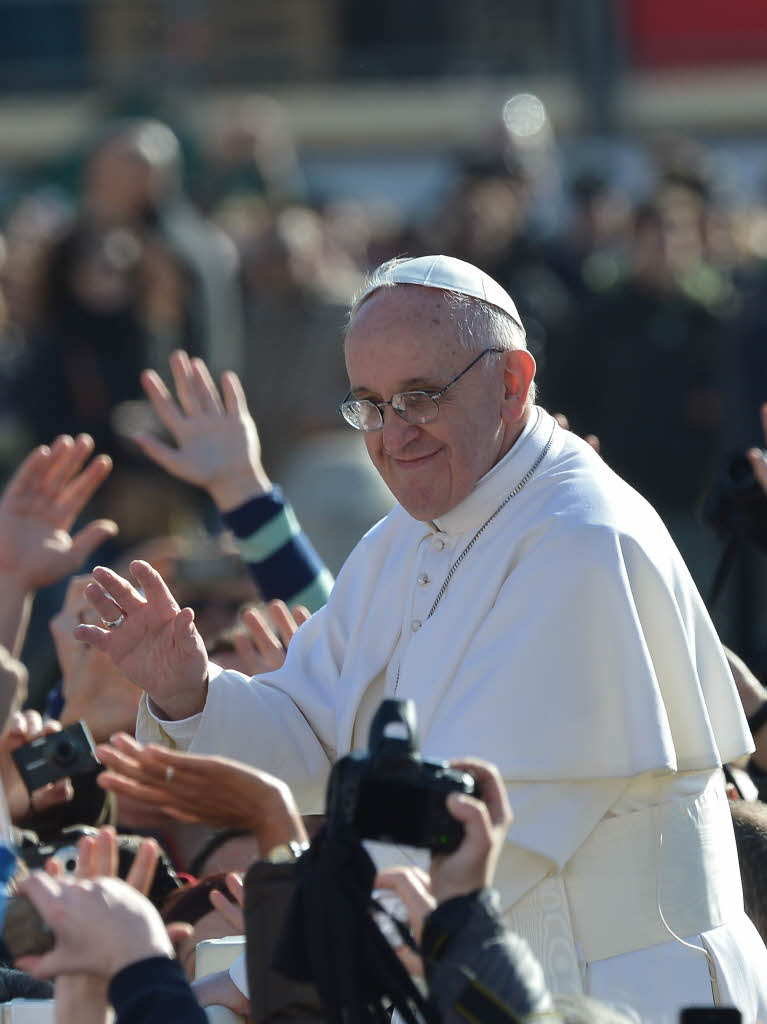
(155, 645)
(217, 444)
(43, 499)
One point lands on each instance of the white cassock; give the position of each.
(573, 650)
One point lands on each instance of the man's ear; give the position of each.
(519, 371)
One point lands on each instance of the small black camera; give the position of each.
(60, 755)
(391, 793)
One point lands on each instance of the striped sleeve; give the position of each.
(278, 553)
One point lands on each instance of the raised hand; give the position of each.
(260, 648)
(217, 444)
(43, 499)
(149, 638)
(213, 790)
(92, 687)
(98, 856)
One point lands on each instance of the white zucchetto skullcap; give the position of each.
(448, 274)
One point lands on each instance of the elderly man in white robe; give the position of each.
(537, 612)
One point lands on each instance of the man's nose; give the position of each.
(397, 433)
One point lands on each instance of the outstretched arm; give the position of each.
(217, 448)
(43, 499)
(152, 641)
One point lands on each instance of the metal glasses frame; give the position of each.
(402, 395)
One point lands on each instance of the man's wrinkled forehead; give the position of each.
(424, 313)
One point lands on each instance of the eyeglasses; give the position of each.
(417, 407)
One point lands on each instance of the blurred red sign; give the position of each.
(696, 32)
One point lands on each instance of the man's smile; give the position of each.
(413, 462)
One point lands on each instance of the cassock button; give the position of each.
(438, 543)
(415, 625)
(424, 580)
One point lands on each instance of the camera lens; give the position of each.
(64, 752)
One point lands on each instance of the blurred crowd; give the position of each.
(645, 315)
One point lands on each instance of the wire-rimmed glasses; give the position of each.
(416, 407)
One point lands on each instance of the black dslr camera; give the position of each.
(391, 793)
(60, 755)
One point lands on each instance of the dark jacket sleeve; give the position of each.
(476, 969)
(154, 991)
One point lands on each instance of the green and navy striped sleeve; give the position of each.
(278, 553)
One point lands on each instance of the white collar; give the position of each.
(494, 486)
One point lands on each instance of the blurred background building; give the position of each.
(219, 174)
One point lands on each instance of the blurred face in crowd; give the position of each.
(119, 183)
(405, 339)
